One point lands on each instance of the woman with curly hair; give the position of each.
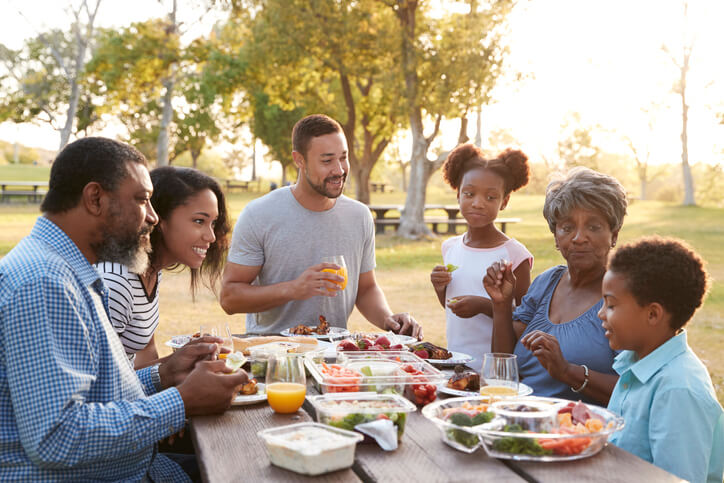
(483, 189)
(192, 232)
(555, 332)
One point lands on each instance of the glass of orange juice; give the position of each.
(500, 373)
(286, 384)
(342, 271)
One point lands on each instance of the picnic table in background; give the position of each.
(31, 190)
(451, 219)
(228, 449)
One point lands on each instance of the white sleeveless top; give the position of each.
(473, 335)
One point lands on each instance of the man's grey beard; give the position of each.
(131, 251)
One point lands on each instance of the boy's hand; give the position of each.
(466, 306)
(499, 282)
(440, 277)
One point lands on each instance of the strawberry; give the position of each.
(364, 344)
(396, 347)
(377, 347)
(347, 345)
(383, 341)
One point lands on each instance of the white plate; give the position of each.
(457, 358)
(523, 390)
(333, 331)
(242, 400)
(178, 341)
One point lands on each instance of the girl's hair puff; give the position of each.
(511, 165)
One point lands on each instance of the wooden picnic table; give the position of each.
(228, 449)
(452, 221)
(33, 190)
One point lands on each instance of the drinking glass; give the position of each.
(286, 383)
(342, 271)
(500, 373)
(223, 332)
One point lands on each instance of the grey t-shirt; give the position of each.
(285, 238)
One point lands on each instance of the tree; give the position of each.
(576, 146)
(332, 57)
(436, 81)
(44, 79)
(681, 60)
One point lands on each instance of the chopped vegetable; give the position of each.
(512, 444)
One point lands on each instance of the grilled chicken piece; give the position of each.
(301, 329)
(323, 327)
(433, 351)
(464, 380)
(249, 388)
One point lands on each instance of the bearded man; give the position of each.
(72, 406)
(274, 274)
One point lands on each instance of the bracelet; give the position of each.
(585, 379)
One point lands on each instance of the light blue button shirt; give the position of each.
(672, 416)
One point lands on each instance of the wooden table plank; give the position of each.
(612, 464)
(228, 448)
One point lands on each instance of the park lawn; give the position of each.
(403, 267)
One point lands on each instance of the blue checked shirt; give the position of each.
(71, 406)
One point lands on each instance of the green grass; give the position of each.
(403, 266)
(24, 172)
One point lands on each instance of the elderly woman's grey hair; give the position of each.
(585, 188)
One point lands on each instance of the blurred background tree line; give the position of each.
(391, 71)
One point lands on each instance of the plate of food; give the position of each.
(251, 393)
(466, 382)
(178, 341)
(321, 331)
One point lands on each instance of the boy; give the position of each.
(651, 290)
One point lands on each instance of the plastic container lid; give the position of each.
(310, 438)
(361, 402)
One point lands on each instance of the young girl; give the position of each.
(192, 232)
(483, 189)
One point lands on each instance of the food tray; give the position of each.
(462, 438)
(382, 372)
(346, 410)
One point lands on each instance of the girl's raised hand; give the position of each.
(440, 277)
(466, 306)
(499, 282)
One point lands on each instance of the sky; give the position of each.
(600, 59)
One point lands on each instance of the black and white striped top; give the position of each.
(133, 314)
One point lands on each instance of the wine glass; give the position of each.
(223, 332)
(500, 373)
(285, 381)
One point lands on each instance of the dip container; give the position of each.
(310, 448)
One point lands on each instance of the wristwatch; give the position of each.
(156, 378)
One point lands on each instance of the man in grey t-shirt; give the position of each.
(274, 272)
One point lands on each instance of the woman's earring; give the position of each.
(613, 244)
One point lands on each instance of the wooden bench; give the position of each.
(435, 222)
(32, 191)
(232, 184)
(378, 187)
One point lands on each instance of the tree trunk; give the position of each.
(253, 160)
(403, 168)
(362, 184)
(688, 180)
(643, 189)
(166, 115)
(479, 128)
(67, 128)
(194, 157)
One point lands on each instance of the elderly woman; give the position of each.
(555, 332)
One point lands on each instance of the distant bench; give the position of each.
(435, 222)
(31, 191)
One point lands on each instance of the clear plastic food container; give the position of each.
(259, 355)
(505, 437)
(530, 415)
(310, 448)
(457, 419)
(382, 372)
(346, 410)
